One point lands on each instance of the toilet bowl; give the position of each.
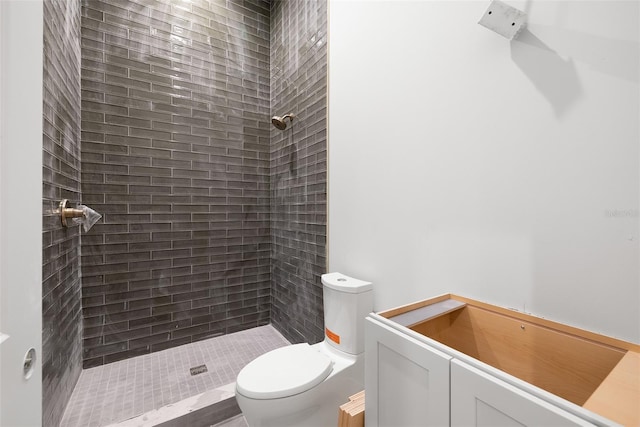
(303, 385)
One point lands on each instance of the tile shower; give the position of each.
(213, 221)
(61, 289)
(175, 154)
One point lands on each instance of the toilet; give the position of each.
(303, 385)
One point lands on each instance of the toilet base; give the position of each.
(317, 407)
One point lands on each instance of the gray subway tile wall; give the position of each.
(298, 167)
(61, 289)
(175, 148)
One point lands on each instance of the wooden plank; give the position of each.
(351, 414)
(342, 415)
(428, 312)
(413, 306)
(359, 395)
(356, 415)
(618, 397)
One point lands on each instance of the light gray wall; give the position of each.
(503, 171)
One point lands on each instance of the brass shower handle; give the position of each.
(67, 212)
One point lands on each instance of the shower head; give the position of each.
(280, 123)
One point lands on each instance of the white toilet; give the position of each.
(303, 385)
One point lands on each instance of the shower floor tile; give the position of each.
(121, 390)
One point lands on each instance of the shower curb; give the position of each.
(202, 410)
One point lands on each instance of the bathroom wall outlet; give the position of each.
(503, 19)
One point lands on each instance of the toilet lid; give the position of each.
(283, 372)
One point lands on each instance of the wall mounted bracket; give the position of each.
(503, 19)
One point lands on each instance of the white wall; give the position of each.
(20, 209)
(503, 171)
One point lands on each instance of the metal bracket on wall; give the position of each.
(503, 19)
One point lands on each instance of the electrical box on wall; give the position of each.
(503, 19)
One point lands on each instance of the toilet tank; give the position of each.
(347, 301)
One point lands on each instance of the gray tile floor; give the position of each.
(122, 390)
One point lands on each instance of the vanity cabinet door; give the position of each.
(406, 381)
(480, 399)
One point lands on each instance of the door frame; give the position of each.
(21, 53)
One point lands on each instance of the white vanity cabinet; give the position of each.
(412, 379)
(454, 361)
(480, 399)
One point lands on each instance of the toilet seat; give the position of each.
(283, 372)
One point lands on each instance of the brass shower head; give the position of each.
(280, 123)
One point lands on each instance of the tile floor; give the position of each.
(118, 391)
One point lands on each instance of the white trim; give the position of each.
(21, 48)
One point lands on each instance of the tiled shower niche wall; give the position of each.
(175, 155)
(299, 167)
(61, 290)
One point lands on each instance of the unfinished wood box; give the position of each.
(591, 377)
